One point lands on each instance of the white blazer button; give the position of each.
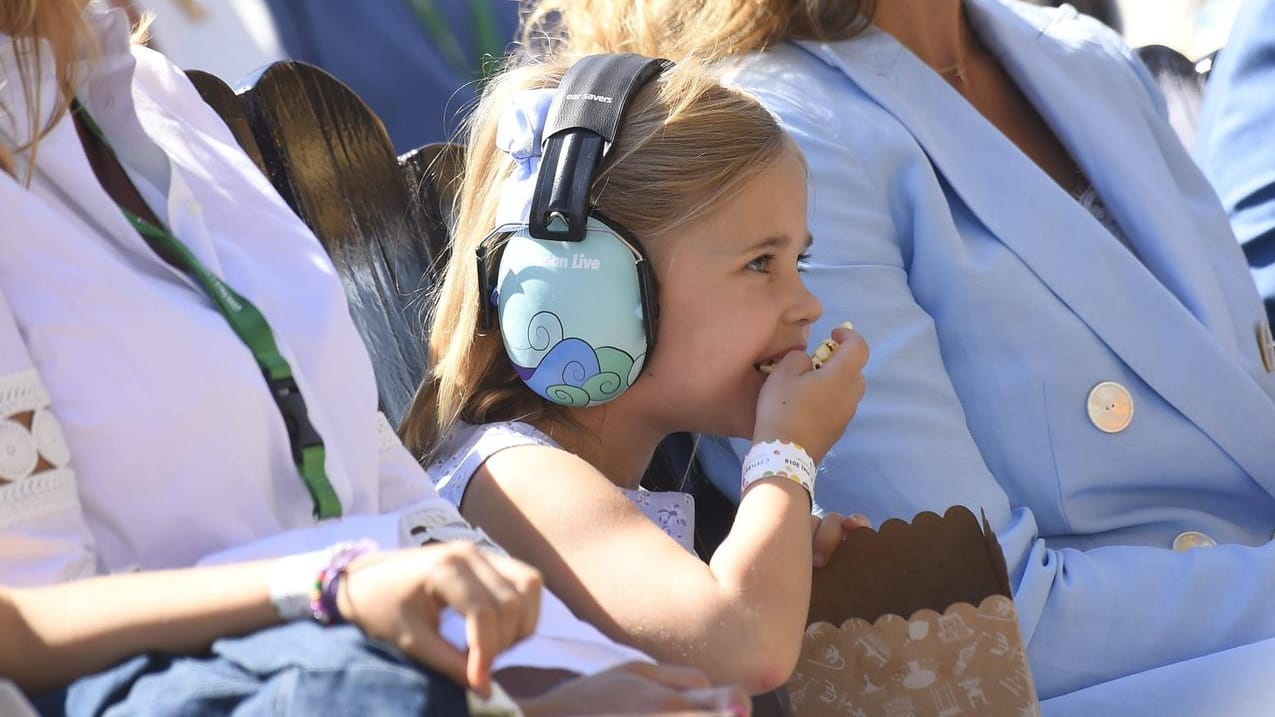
(1110, 407)
(1192, 539)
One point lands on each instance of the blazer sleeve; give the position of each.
(1088, 616)
(43, 535)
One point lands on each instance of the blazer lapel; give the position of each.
(1103, 121)
(1140, 310)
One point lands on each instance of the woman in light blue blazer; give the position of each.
(1064, 332)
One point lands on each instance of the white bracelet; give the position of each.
(298, 581)
(778, 459)
(291, 582)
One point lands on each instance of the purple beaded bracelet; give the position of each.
(323, 602)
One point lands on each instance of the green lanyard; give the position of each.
(485, 36)
(251, 328)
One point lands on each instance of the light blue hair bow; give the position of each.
(519, 134)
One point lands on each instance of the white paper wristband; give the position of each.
(292, 580)
(778, 459)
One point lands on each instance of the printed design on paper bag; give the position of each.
(967, 661)
(568, 369)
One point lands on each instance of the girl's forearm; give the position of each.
(74, 629)
(766, 561)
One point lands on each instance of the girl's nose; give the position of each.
(806, 307)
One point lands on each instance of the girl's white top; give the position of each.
(470, 446)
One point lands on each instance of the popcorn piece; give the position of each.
(823, 352)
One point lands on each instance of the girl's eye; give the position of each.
(803, 261)
(761, 264)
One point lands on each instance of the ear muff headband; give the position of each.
(587, 112)
(574, 291)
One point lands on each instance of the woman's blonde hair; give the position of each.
(686, 145)
(61, 25)
(681, 29)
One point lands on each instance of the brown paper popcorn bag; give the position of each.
(958, 653)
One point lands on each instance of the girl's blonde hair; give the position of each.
(61, 26)
(681, 29)
(686, 145)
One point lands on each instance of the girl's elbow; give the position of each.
(769, 668)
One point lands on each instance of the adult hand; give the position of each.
(811, 407)
(828, 532)
(397, 597)
(638, 688)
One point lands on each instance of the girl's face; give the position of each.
(731, 297)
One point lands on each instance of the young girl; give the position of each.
(154, 441)
(714, 191)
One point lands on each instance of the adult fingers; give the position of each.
(422, 643)
(454, 583)
(529, 585)
(506, 598)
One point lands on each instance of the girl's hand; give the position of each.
(811, 407)
(829, 531)
(397, 596)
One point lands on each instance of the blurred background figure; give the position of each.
(415, 62)
(229, 38)
(1108, 11)
(1233, 142)
(1194, 28)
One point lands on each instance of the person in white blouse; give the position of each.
(149, 277)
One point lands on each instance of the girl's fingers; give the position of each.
(851, 349)
(826, 539)
(794, 363)
(856, 521)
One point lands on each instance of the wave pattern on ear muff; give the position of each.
(570, 371)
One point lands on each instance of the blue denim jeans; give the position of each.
(295, 669)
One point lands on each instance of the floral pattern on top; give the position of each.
(470, 446)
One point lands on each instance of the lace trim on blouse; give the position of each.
(26, 491)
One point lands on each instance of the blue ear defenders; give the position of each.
(574, 291)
